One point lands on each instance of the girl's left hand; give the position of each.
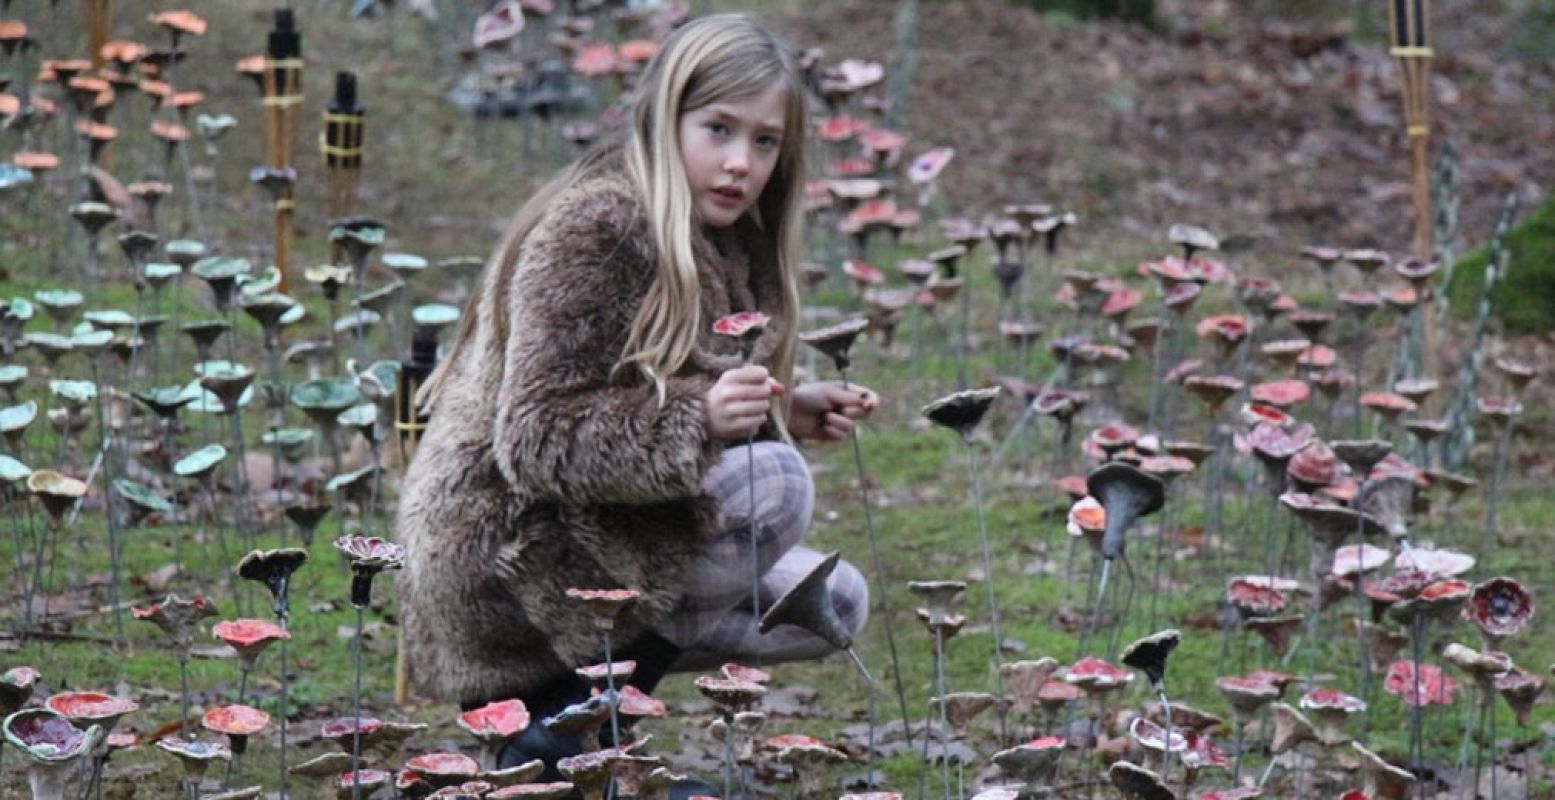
(826, 411)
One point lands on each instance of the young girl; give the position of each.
(589, 430)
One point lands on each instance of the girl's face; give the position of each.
(729, 150)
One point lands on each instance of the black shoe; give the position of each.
(654, 656)
(693, 787)
(538, 741)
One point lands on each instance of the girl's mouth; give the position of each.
(728, 195)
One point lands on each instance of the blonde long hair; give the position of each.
(719, 58)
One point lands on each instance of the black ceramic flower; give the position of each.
(1148, 655)
(274, 569)
(962, 411)
(835, 341)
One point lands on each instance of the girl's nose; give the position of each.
(737, 164)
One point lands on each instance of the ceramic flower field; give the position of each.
(1154, 506)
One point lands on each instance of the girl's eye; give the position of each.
(768, 142)
(718, 128)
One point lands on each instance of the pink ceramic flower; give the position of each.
(249, 637)
(1434, 687)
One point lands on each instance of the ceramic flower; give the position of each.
(1434, 687)
(274, 569)
(744, 327)
(1500, 607)
(177, 618)
(369, 555)
(249, 637)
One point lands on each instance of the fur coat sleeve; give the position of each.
(566, 429)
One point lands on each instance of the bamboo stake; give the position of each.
(282, 99)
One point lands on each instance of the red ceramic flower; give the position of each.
(862, 272)
(741, 672)
(1171, 271)
(881, 141)
(238, 722)
(341, 730)
(1153, 737)
(793, 740)
(1121, 302)
(1203, 754)
(1094, 672)
(841, 128)
(1072, 485)
(1256, 413)
(444, 766)
(90, 708)
(632, 702)
(1114, 436)
(1181, 296)
(495, 721)
(1315, 466)
(868, 213)
(1087, 517)
(594, 59)
(1274, 443)
(1208, 270)
(249, 637)
(1325, 699)
(1405, 583)
(637, 51)
(1499, 408)
(1247, 695)
(1255, 599)
(1226, 329)
(729, 693)
(744, 327)
(1318, 356)
(1434, 687)
(1281, 394)
(604, 605)
(1388, 404)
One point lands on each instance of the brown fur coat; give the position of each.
(540, 472)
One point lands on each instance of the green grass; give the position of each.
(1525, 297)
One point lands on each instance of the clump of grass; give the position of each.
(1525, 296)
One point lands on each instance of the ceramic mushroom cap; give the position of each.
(730, 693)
(495, 721)
(1423, 687)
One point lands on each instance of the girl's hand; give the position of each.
(739, 402)
(826, 411)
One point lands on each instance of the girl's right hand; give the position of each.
(739, 402)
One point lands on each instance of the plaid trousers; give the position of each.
(714, 622)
